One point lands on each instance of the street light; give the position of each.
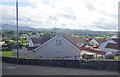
(17, 31)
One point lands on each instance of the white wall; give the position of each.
(90, 53)
(102, 46)
(50, 49)
(30, 43)
(87, 52)
(93, 42)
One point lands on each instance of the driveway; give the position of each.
(25, 52)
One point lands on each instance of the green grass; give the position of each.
(11, 54)
(117, 57)
(7, 53)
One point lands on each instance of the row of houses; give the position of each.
(64, 46)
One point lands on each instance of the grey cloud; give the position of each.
(106, 26)
(67, 16)
(52, 18)
(90, 7)
(26, 19)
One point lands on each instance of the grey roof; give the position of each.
(45, 38)
(36, 40)
(117, 40)
(101, 40)
(41, 39)
(112, 46)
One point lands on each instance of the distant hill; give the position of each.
(27, 28)
(72, 31)
(13, 27)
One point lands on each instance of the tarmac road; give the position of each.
(14, 69)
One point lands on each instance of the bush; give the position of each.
(85, 56)
(6, 41)
(6, 49)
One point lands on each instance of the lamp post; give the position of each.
(17, 31)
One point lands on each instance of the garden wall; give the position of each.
(92, 64)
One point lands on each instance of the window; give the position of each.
(58, 42)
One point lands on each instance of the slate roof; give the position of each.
(101, 40)
(112, 46)
(75, 42)
(117, 46)
(41, 39)
(36, 40)
(117, 40)
(45, 38)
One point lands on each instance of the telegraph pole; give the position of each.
(17, 31)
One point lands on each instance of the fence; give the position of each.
(92, 64)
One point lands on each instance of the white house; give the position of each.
(37, 41)
(110, 45)
(57, 46)
(60, 46)
(96, 41)
(34, 42)
(93, 42)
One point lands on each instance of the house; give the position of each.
(34, 42)
(57, 46)
(93, 42)
(110, 45)
(96, 41)
(1, 41)
(62, 46)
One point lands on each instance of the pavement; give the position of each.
(14, 69)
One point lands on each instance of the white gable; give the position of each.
(58, 46)
(93, 42)
(30, 43)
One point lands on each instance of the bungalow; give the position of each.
(35, 42)
(62, 46)
(96, 41)
(110, 45)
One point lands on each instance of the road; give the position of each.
(13, 69)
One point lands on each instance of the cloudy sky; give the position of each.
(73, 14)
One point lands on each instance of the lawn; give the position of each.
(11, 54)
(117, 57)
(7, 53)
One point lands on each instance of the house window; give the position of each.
(58, 42)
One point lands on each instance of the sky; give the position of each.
(96, 15)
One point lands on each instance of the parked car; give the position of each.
(109, 55)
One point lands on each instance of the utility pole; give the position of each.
(17, 31)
